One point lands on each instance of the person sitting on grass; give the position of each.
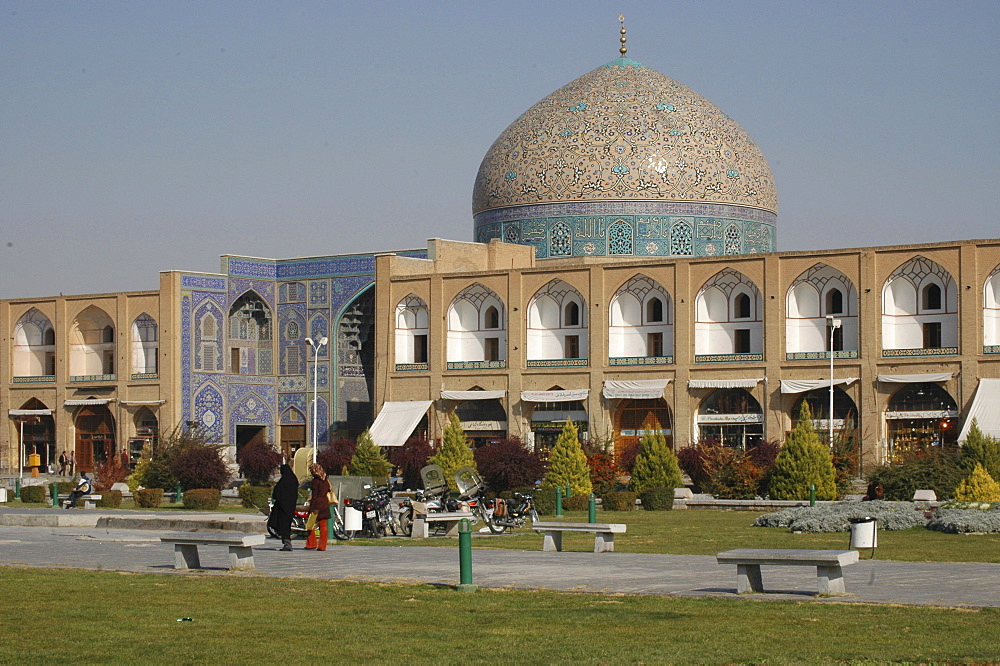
(82, 488)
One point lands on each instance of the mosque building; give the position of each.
(623, 275)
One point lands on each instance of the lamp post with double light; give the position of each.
(832, 324)
(316, 345)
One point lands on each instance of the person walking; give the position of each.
(82, 488)
(319, 504)
(72, 463)
(63, 460)
(284, 496)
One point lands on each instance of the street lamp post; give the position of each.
(316, 345)
(833, 325)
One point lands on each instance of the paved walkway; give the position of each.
(140, 550)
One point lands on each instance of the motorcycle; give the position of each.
(377, 515)
(299, 518)
(498, 514)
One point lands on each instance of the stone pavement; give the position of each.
(130, 549)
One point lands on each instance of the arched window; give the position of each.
(654, 310)
(250, 318)
(556, 323)
(742, 306)
(835, 301)
(492, 317)
(412, 327)
(572, 314)
(932, 297)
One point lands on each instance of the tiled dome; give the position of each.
(627, 144)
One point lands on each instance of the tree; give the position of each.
(506, 464)
(410, 458)
(368, 459)
(258, 460)
(979, 487)
(454, 452)
(568, 463)
(982, 449)
(803, 460)
(655, 465)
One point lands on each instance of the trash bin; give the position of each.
(864, 532)
(352, 519)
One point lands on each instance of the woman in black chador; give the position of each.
(285, 496)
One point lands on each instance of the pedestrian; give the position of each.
(124, 458)
(319, 504)
(284, 497)
(63, 460)
(72, 463)
(82, 488)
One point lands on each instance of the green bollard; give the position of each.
(592, 509)
(178, 496)
(17, 488)
(55, 494)
(569, 492)
(558, 502)
(812, 494)
(465, 556)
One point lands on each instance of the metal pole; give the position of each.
(592, 509)
(465, 556)
(20, 455)
(834, 324)
(316, 345)
(559, 501)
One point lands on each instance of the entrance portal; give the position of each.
(95, 436)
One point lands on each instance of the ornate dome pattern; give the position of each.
(620, 154)
(624, 131)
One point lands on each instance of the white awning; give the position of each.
(472, 395)
(723, 383)
(396, 421)
(555, 396)
(638, 389)
(89, 401)
(804, 385)
(985, 409)
(30, 412)
(142, 402)
(916, 379)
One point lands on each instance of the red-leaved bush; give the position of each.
(337, 457)
(409, 458)
(506, 464)
(258, 460)
(109, 472)
(604, 472)
(199, 467)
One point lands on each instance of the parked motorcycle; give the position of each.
(498, 514)
(377, 515)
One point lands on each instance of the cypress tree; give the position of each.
(455, 451)
(368, 459)
(802, 461)
(568, 463)
(655, 464)
(980, 448)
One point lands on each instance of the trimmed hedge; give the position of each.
(620, 501)
(33, 494)
(65, 487)
(148, 498)
(110, 499)
(657, 499)
(576, 503)
(254, 497)
(202, 499)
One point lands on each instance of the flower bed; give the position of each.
(954, 518)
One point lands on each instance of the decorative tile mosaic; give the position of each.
(906, 353)
(819, 355)
(728, 358)
(558, 362)
(36, 379)
(641, 360)
(411, 367)
(476, 365)
(143, 376)
(991, 349)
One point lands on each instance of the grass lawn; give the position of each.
(62, 616)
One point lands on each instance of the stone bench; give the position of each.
(604, 534)
(186, 547)
(449, 519)
(828, 565)
(89, 501)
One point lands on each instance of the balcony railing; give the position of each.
(558, 363)
(410, 367)
(145, 376)
(728, 358)
(820, 355)
(927, 351)
(77, 379)
(476, 365)
(34, 379)
(641, 360)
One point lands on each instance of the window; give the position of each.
(419, 348)
(50, 337)
(932, 298)
(932, 335)
(492, 317)
(742, 307)
(293, 361)
(208, 326)
(654, 344)
(492, 349)
(572, 346)
(741, 341)
(654, 311)
(835, 302)
(108, 334)
(572, 315)
(234, 360)
(109, 363)
(838, 338)
(50, 363)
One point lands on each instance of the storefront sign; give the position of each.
(929, 414)
(484, 425)
(730, 418)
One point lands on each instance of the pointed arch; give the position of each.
(34, 349)
(412, 330)
(817, 293)
(920, 308)
(991, 312)
(476, 327)
(728, 318)
(92, 343)
(145, 345)
(641, 320)
(553, 330)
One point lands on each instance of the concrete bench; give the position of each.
(828, 565)
(604, 537)
(89, 501)
(449, 519)
(186, 547)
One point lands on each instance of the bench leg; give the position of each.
(241, 557)
(604, 542)
(420, 530)
(451, 528)
(552, 542)
(88, 504)
(831, 579)
(186, 556)
(748, 578)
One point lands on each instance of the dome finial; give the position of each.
(622, 50)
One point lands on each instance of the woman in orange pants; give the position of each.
(319, 503)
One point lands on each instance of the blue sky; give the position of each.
(141, 136)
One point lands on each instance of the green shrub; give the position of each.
(655, 465)
(33, 494)
(576, 503)
(110, 499)
(619, 501)
(980, 448)
(202, 499)
(454, 453)
(368, 459)
(657, 499)
(568, 463)
(978, 487)
(64, 487)
(803, 461)
(935, 468)
(255, 497)
(148, 498)
(545, 499)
